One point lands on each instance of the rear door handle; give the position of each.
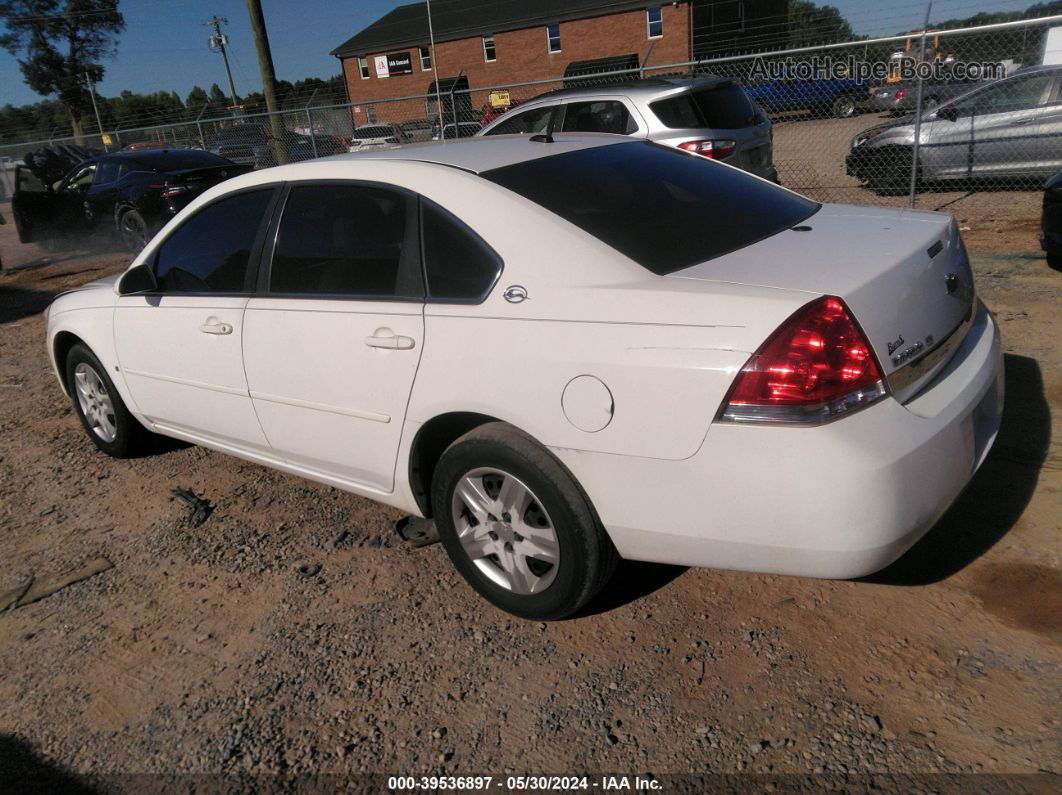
(392, 342)
(216, 328)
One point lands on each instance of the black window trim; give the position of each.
(412, 258)
(477, 240)
(253, 261)
(622, 99)
(556, 116)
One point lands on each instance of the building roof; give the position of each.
(407, 26)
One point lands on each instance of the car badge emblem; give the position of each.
(515, 294)
(951, 281)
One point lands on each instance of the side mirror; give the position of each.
(950, 113)
(140, 279)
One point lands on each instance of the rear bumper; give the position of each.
(837, 501)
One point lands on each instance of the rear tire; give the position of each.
(98, 405)
(843, 107)
(517, 526)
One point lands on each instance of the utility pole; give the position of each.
(92, 93)
(218, 42)
(269, 78)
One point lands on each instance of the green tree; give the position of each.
(810, 24)
(61, 41)
(217, 96)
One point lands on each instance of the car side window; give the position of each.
(210, 252)
(106, 171)
(532, 121)
(28, 182)
(458, 264)
(1008, 95)
(602, 116)
(345, 240)
(81, 179)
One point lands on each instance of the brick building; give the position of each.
(480, 43)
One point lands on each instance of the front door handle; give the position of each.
(215, 328)
(391, 342)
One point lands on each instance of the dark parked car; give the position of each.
(463, 129)
(839, 98)
(133, 193)
(241, 143)
(301, 147)
(1051, 221)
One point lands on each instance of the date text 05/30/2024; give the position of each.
(521, 783)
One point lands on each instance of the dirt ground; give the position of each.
(292, 632)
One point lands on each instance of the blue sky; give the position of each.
(164, 45)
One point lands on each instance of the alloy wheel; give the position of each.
(505, 531)
(95, 402)
(134, 234)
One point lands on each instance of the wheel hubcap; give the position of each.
(95, 402)
(505, 531)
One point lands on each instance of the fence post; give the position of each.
(309, 121)
(313, 135)
(918, 108)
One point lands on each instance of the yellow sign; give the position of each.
(500, 99)
(107, 140)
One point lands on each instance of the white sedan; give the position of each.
(565, 351)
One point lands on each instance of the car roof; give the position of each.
(480, 154)
(144, 154)
(646, 87)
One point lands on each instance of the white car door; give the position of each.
(179, 347)
(333, 340)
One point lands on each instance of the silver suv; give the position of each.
(709, 116)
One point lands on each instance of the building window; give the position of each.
(488, 48)
(363, 65)
(654, 17)
(553, 38)
(425, 59)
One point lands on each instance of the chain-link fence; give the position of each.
(919, 119)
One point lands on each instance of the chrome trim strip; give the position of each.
(306, 404)
(228, 390)
(900, 380)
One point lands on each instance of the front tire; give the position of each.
(133, 230)
(517, 526)
(98, 405)
(890, 175)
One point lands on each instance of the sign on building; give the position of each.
(399, 63)
(395, 63)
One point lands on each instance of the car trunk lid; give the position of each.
(905, 276)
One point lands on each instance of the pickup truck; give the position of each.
(839, 98)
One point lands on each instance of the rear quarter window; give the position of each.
(662, 208)
(725, 107)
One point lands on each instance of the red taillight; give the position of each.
(715, 149)
(817, 365)
(169, 191)
(900, 93)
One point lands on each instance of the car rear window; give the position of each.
(373, 132)
(725, 107)
(663, 208)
